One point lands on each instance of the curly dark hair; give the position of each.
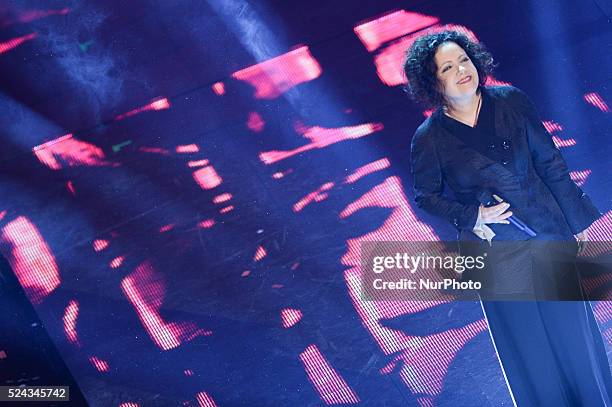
(420, 67)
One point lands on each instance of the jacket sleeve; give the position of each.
(428, 185)
(577, 207)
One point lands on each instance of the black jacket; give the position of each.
(532, 177)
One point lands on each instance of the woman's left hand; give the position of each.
(582, 238)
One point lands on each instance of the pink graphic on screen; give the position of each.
(207, 177)
(205, 400)
(117, 262)
(154, 150)
(187, 148)
(27, 16)
(320, 138)
(30, 258)
(580, 177)
(70, 322)
(197, 163)
(596, 100)
(100, 365)
(144, 288)
(316, 196)
(222, 198)
(219, 88)
(367, 169)
(330, 385)
(205, 224)
(255, 122)
(6, 46)
(389, 27)
(156, 105)
(260, 253)
(290, 317)
(166, 228)
(67, 150)
(273, 77)
(100, 244)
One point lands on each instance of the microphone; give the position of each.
(487, 198)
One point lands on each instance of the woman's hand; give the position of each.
(582, 238)
(494, 214)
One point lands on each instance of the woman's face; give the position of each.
(457, 75)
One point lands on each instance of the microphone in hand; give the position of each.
(487, 199)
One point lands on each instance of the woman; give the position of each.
(488, 141)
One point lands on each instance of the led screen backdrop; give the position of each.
(185, 187)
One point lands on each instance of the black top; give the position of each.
(481, 137)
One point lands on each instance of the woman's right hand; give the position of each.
(494, 214)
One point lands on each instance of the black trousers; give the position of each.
(552, 352)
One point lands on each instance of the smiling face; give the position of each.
(457, 75)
